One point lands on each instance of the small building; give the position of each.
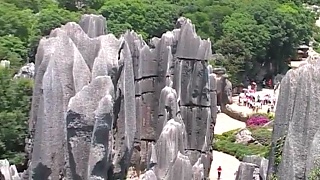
(300, 58)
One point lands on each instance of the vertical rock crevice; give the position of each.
(102, 104)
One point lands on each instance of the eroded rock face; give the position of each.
(246, 171)
(244, 136)
(101, 104)
(296, 125)
(7, 171)
(224, 87)
(261, 163)
(26, 71)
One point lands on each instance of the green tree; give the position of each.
(148, 18)
(12, 49)
(34, 5)
(75, 5)
(235, 55)
(19, 23)
(53, 17)
(47, 19)
(15, 96)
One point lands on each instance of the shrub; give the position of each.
(257, 121)
(262, 135)
(230, 135)
(240, 150)
(226, 143)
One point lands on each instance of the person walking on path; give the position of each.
(219, 172)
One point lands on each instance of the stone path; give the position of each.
(228, 163)
(225, 123)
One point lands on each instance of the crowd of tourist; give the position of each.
(255, 100)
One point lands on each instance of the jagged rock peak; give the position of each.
(108, 103)
(93, 25)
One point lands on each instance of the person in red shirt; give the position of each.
(270, 83)
(219, 172)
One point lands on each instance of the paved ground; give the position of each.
(225, 123)
(228, 163)
(248, 110)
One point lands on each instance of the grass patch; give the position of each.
(262, 135)
(226, 143)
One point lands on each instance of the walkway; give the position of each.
(225, 123)
(228, 163)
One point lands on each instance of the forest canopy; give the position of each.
(247, 33)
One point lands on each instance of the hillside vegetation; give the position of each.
(245, 32)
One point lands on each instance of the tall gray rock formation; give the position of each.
(102, 104)
(253, 167)
(295, 141)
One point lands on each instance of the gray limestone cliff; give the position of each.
(295, 141)
(102, 104)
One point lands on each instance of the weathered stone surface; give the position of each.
(50, 131)
(171, 141)
(245, 171)
(81, 121)
(93, 25)
(197, 122)
(102, 104)
(26, 71)
(261, 162)
(44, 52)
(87, 46)
(149, 175)
(106, 62)
(234, 113)
(198, 170)
(8, 172)
(126, 123)
(297, 122)
(191, 46)
(244, 136)
(102, 139)
(180, 169)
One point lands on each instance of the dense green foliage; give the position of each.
(15, 96)
(226, 143)
(246, 32)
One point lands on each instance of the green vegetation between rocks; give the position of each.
(278, 151)
(226, 143)
(278, 155)
(15, 97)
(315, 173)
